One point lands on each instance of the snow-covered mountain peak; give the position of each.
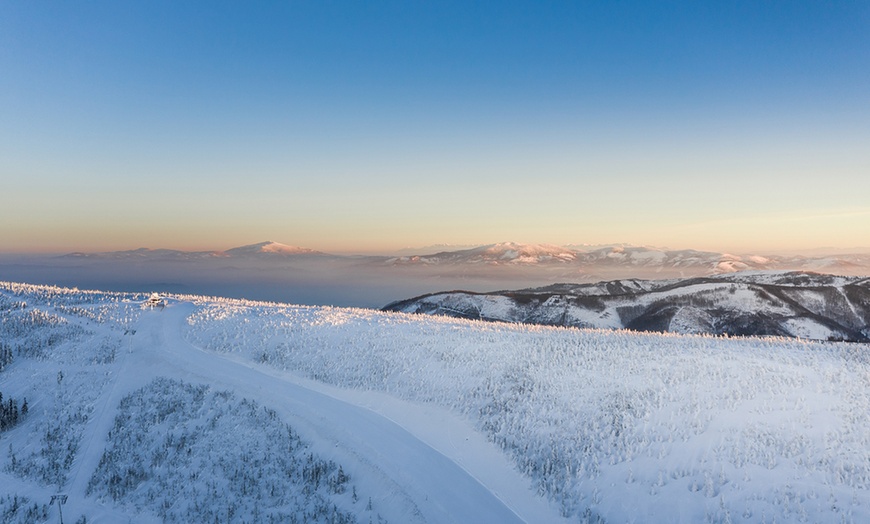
(270, 248)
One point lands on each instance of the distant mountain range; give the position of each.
(792, 304)
(574, 259)
(277, 272)
(611, 258)
(260, 250)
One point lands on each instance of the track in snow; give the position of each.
(416, 482)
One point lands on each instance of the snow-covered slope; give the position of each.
(141, 425)
(242, 411)
(805, 305)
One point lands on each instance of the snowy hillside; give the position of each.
(805, 305)
(240, 411)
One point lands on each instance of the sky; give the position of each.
(372, 126)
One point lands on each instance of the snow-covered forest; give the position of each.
(216, 409)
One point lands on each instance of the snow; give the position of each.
(408, 479)
(808, 328)
(744, 303)
(650, 257)
(444, 420)
(586, 317)
(269, 247)
(601, 417)
(730, 266)
(689, 320)
(509, 253)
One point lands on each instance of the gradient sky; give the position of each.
(365, 126)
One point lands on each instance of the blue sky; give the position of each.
(365, 126)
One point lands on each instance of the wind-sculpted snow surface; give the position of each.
(612, 426)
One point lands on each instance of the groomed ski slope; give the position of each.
(443, 420)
